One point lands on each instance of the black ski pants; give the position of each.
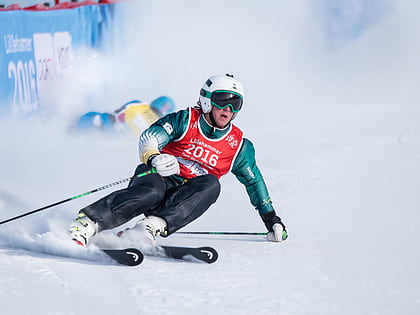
(178, 204)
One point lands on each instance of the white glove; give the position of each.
(165, 164)
(278, 234)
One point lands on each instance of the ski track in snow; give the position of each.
(337, 134)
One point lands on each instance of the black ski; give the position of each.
(205, 254)
(128, 256)
(134, 257)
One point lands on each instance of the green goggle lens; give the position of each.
(223, 99)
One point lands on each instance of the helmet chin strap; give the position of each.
(213, 121)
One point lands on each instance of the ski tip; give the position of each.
(128, 256)
(210, 254)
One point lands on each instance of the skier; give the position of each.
(189, 150)
(134, 116)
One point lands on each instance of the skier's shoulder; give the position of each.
(174, 123)
(247, 148)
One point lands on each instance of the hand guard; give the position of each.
(278, 234)
(165, 164)
(276, 229)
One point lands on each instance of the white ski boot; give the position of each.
(150, 227)
(82, 229)
(154, 226)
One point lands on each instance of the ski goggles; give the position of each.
(222, 99)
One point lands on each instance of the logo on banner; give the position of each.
(14, 44)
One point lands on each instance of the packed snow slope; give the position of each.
(333, 108)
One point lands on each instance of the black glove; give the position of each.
(276, 229)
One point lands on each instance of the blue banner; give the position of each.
(36, 46)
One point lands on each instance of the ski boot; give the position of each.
(82, 229)
(152, 226)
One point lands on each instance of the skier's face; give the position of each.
(222, 116)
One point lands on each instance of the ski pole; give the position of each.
(225, 233)
(79, 196)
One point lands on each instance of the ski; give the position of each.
(128, 256)
(200, 254)
(194, 254)
(134, 257)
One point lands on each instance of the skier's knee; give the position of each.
(213, 186)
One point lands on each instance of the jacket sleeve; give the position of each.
(247, 172)
(163, 131)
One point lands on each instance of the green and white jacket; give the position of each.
(173, 126)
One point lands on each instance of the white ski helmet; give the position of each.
(221, 91)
